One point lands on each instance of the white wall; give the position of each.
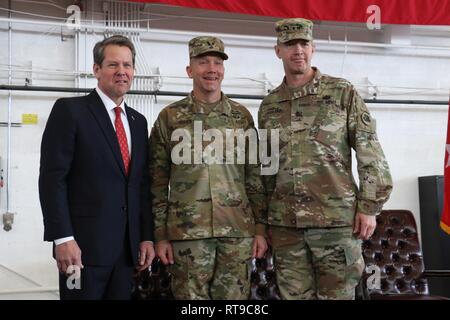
(413, 138)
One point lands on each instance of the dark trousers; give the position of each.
(101, 282)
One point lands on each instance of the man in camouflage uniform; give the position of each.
(317, 215)
(209, 215)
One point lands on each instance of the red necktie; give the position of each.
(122, 138)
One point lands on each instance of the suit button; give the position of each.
(293, 221)
(124, 208)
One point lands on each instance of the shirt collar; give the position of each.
(107, 101)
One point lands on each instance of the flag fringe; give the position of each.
(445, 227)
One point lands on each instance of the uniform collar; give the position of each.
(311, 88)
(221, 107)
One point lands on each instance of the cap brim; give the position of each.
(294, 38)
(223, 55)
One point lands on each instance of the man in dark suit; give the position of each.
(94, 184)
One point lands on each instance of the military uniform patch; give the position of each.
(365, 117)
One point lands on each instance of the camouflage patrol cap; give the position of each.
(294, 28)
(205, 44)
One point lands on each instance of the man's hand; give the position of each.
(146, 255)
(259, 247)
(68, 254)
(164, 251)
(364, 225)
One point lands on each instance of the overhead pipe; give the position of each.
(184, 94)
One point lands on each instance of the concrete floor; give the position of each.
(30, 296)
(27, 284)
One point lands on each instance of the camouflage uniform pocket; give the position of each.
(355, 263)
(352, 254)
(180, 278)
(250, 265)
(285, 237)
(329, 127)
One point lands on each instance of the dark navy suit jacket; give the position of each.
(83, 188)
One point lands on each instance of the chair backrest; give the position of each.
(156, 285)
(393, 252)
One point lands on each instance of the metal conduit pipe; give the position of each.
(184, 94)
(8, 217)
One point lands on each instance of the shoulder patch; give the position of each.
(365, 117)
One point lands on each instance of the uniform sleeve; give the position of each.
(159, 167)
(268, 180)
(375, 182)
(255, 188)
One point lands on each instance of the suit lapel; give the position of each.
(98, 109)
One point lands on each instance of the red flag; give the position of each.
(429, 12)
(445, 218)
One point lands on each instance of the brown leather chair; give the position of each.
(394, 248)
(155, 284)
(263, 279)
